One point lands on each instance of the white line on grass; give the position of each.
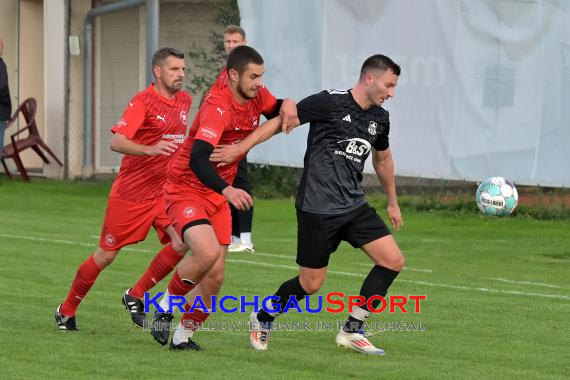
(289, 257)
(292, 267)
(405, 268)
(486, 290)
(524, 282)
(267, 255)
(277, 240)
(68, 242)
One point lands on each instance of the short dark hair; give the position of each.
(241, 56)
(231, 29)
(161, 54)
(379, 62)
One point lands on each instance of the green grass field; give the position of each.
(498, 298)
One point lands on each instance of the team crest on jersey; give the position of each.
(110, 240)
(183, 117)
(372, 126)
(189, 212)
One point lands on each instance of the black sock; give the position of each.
(291, 287)
(376, 283)
(352, 325)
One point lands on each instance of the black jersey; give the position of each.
(340, 138)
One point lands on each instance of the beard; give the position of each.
(174, 87)
(242, 92)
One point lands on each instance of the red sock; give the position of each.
(84, 280)
(177, 287)
(194, 319)
(162, 264)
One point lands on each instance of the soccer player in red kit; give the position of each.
(132, 298)
(197, 192)
(153, 125)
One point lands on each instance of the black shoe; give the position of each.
(188, 346)
(160, 326)
(65, 323)
(136, 307)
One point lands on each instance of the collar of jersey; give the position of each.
(228, 91)
(356, 103)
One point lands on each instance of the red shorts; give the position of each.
(190, 208)
(128, 222)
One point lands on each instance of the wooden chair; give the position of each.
(32, 140)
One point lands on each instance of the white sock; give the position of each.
(164, 304)
(182, 334)
(245, 237)
(359, 313)
(235, 240)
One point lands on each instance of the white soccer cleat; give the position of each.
(357, 342)
(258, 333)
(247, 247)
(235, 247)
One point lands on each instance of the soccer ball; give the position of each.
(497, 196)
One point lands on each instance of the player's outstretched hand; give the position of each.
(225, 154)
(239, 198)
(395, 216)
(163, 147)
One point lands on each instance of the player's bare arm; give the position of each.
(384, 167)
(122, 144)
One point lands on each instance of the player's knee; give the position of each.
(311, 285)
(207, 259)
(397, 262)
(103, 257)
(215, 280)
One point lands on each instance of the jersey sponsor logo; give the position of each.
(354, 149)
(372, 127)
(347, 118)
(121, 123)
(221, 111)
(163, 118)
(189, 212)
(208, 133)
(179, 139)
(110, 240)
(183, 117)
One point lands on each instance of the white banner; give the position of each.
(484, 90)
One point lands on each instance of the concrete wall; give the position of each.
(35, 37)
(9, 34)
(31, 72)
(120, 68)
(54, 82)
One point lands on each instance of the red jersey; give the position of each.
(147, 119)
(222, 80)
(220, 121)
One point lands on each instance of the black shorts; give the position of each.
(319, 235)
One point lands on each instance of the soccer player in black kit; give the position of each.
(346, 126)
